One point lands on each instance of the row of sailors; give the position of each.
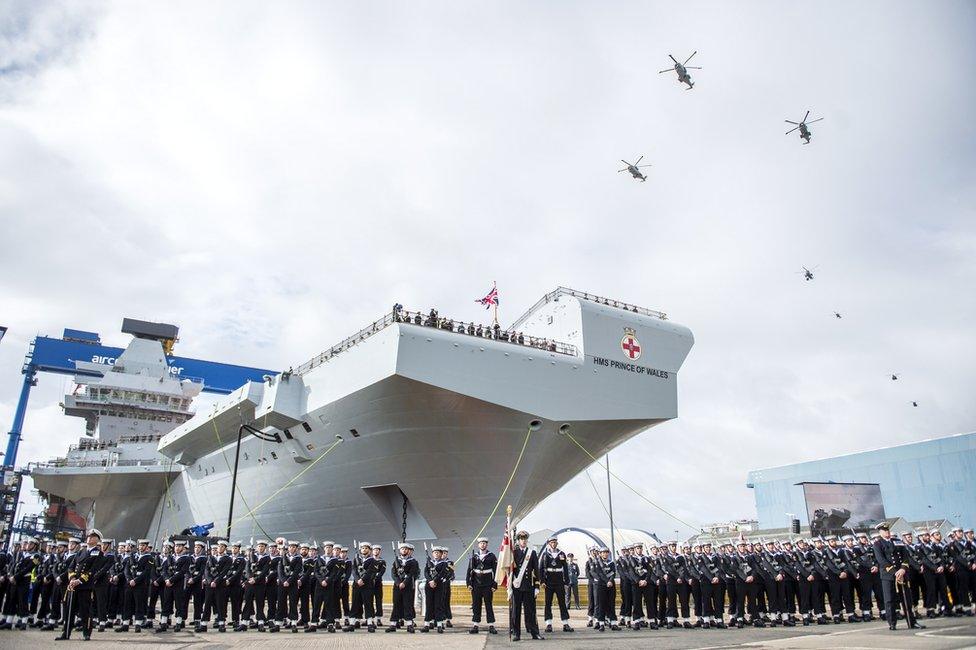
(484, 331)
(784, 583)
(287, 585)
(272, 586)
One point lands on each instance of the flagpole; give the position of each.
(613, 545)
(494, 286)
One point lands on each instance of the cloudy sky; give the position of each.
(271, 177)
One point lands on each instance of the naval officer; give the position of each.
(525, 587)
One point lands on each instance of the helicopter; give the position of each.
(837, 314)
(894, 376)
(808, 274)
(635, 169)
(682, 70)
(802, 125)
(915, 404)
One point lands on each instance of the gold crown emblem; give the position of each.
(630, 330)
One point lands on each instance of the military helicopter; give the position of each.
(837, 314)
(682, 70)
(915, 404)
(802, 125)
(894, 376)
(807, 273)
(635, 169)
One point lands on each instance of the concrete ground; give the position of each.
(951, 633)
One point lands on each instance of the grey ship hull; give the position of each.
(434, 416)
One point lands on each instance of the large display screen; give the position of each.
(833, 507)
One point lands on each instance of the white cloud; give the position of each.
(272, 178)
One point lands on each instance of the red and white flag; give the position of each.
(491, 300)
(506, 561)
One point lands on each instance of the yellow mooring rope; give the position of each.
(518, 462)
(230, 469)
(629, 486)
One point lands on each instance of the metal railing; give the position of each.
(103, 462)
(89, 444)
(566, 291)
(87, 397)
(434, 320)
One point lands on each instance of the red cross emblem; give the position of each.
(631, 347)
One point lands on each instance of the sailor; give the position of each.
(605, 574)
(774, 580)
(338, 580)
(322, 587)
(364, 550)
(743, 568)
(159, 580)
(378, 583)
(711, 582)
(869, 577)
(961, 566)
(624, 571)
(234, 579)
(23, 565)
(256, 583)
(404, 571)
(915, 580)
(101, 584)
(43, 585)
(839, 581)
(572, 588)
(430, 584)
(195, 578)
(289, 573)
(306, 584)
(694, 581)
(344, 585)
(480, 580)
(370, 571)
(58, 576)
(175, 584)
(79, 589)
(554, 572)
(643, 594)
(588, 572)
(271, 591)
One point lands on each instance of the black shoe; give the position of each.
(358, 624)
(517, 637)
(348, 628)
(449, 624)
(440, 629)
(670, 625)
(567, 628)
(101, 628)
(370, 628)
(411, 629)
(614, 627)
(652, 625)
(589, 624)
(917, 626)
(492, 630)
(538, 637)
(61, 638)
(473, 630)
(687, 625)
(330, 628)
(891, 626)
(392, 628)
(86, 636)
(161, 628)
(705, 625)
(789, 624)
(272, 629)
(137, 628)
(425, 629)
(548, 629)
(740, 624)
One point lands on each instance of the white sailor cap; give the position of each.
(198, 543)
(262, 541)
(482, 539)
(303, 545)
(31, 540)
(366, 544)
(143, 541)
(167, 543)
(957, 529)
(831, 538)
(406, 545)
(672, 542)
(75, 540)
(328, 543)
(62, 543)
(130, 542)
(96, 532)
(236, 544)
(968, 530)
(934, 531)
(604, 549)
(222, 542)
(292, 542)
(639, 545)
(553, 538)
(179, 542)
(847, 537)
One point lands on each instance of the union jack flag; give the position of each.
(506, 560)
(491, 299)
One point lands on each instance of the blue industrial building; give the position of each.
(926, 480)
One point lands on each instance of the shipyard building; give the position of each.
(920, 481)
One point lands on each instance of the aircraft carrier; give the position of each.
(425, 423)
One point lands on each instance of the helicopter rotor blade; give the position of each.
(643, 166)
(689, 58)
(805, 117)
(693, 67)
(791, 130)
(674, 59)
(625, 162)
(791, 122)
(816, 120)
(622, 170)
(667, 70)
(638, 161)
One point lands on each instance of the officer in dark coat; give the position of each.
(525, 587)
(80, 586)
(480, 580)
(894, 571)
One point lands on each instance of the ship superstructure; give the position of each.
(432, 415)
